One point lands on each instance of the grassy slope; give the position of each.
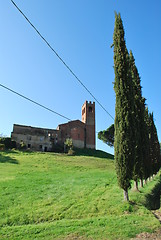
(54, 196)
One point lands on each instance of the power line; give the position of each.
(36, 103)
(48, 44)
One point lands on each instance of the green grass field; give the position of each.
(55, 196)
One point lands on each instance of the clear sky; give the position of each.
(81, 31)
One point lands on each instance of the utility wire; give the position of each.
(36, 103)
(61, 59)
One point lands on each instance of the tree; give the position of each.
(8, 142)
(69, 145)
(107, 136)
(154, 146)
(141, 135)
(124, 110)
(146, 148)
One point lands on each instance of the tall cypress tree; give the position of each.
(124, 121)
(145, 147)
(154, 146)
(147, 159)
(141, 134)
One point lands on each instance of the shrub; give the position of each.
(22, 145)
(68, 144)
(8, 142)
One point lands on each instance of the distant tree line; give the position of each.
(134, 134)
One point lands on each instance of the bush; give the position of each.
(8, 143)
(68, 144)
(22, 145)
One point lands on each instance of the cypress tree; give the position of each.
(124, 125)
(154, 146)
(145, 147)
(141, 134)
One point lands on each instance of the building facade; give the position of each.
(82, 132)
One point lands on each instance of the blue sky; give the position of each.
(81, 31)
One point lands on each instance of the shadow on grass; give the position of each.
(93, 153)
(153, 198)
(6, 159)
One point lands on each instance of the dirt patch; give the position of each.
(151, 236)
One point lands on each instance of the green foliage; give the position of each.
(154, 146)
(147, 161)
(107, 136)
(22, 146)
(69, 142)
(137, 149)
(69, 146)
(56, 196)
(141, 133)
(124, 108)
(9, 144)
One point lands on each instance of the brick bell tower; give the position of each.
(88, 117)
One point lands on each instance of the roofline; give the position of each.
(25, 126)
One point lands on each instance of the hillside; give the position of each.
(55, 196)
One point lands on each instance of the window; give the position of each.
(29, 145)
(40, 146)
(90, 109)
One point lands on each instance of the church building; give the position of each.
(81, 132)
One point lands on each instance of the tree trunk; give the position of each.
(141, 182)
(136, 185)
(126, 196)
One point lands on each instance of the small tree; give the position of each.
(69, 145)
(107, 136)
(22, 145)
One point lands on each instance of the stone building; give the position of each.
(41, 139)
